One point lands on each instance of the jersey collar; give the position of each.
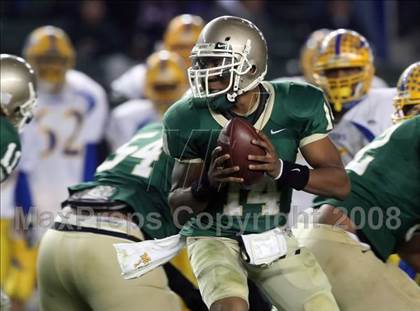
(264, 116)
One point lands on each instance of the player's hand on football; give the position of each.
(269, 162)
(218, 173)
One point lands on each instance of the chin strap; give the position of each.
(240, 72)
(219, 103)
(232, 97)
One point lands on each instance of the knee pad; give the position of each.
(322, 301)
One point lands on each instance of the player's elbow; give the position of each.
(173, 200)
(180, 208)
(343, 186)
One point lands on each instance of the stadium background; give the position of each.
(111, 36)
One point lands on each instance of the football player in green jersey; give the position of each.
(353, 237)
(99, 214)
(77, 265)
(226, 78)
(17, 99)
(127, 201)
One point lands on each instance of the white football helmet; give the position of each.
(18, 90)
(231, 49)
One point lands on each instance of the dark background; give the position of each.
(111, 36)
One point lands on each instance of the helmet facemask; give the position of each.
(166, 79)
(165, 93)
(405, 108)
(51, 71)
(407, 100)
(220, 62)
(21, 114)
(347, 88)
(344, 51)
(18, 90)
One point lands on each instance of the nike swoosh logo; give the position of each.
(276, 132)
(296, 170)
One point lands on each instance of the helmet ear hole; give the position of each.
(253, 69)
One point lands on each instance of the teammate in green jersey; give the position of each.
(10, 148)
(17, 99)
(226, 78)
(382, 211)
(99, 214)
(138, 174)
(127, 201)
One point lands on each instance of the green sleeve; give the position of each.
(313, 111)
(10, 148)
(305, 110)
(181, 131)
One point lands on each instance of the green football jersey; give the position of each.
(10, 148)
(384, 202)
(293, 115)
(138, 174)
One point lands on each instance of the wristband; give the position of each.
(281, 170)
(201, 189)
(293, 175)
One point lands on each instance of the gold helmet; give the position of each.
(49, 50)
(181, 34)
(166, 78)
(309, 53)
(17, 90)
(407, 101)
(350, 51)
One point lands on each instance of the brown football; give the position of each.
(235, 140)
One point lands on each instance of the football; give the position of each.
(235, 140)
